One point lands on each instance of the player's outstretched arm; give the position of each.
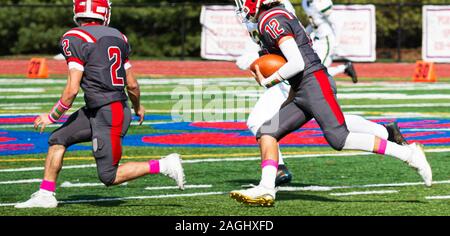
(64, 103)
(134, 93)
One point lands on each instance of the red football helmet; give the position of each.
(248, 10)
(94, 9)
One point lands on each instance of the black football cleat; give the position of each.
(350, 71)
(283, 176)
(394, 134)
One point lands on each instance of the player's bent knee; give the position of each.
(107, 177)
(335, 140)
(56, 139)
(260, 135)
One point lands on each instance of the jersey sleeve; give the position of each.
(275, 28)
(72, 48)
(127, 53)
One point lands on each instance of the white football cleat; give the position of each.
(40, 199)
(418, 161)
(258, 195)
(174, 169)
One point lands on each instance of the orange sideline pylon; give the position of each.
(424, 72)
(37, 68)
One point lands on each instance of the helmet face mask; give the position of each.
(252, 29)
(92, 9)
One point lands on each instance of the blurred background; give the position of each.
(171, 29)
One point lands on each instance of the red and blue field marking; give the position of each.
(431, 132)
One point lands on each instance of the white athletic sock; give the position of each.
(371, 143)
(163, 166)
(400, 152)
(280, 157)
(335, 70)
(359, 141)
(358, 124)
(269, 173)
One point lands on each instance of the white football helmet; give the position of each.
(94, 9)
(323, 6)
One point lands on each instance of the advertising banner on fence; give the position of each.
(355, 27)
(436, 33)
(225, 38)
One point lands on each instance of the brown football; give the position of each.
(268, 64)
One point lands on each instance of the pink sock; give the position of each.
(380, 146)
(153, 166)
(269, 162)
(48, 185)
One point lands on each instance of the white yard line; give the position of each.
(405, 87)
(364, 193)
(398, 115)
(30, 81)
(22, 90)
(437, 197)
(397, 105)
(438, 150)
(391, 96)
(331, 188)
(129, 198)
(31, 96)
(21, 108)
(175, 187)
(42, 168)
(22, 181)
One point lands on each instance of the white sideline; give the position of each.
(364, 193)
(438, 150)
(129, 198)
(176, 187)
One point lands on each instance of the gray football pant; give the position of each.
(105, 127)
(315, 97)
